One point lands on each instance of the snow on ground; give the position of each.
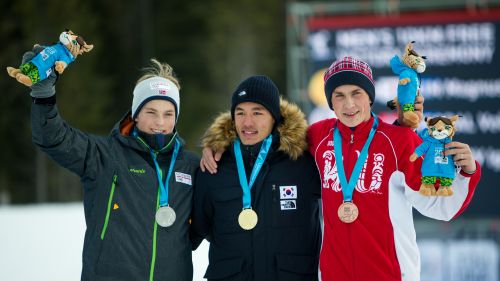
(44, 242)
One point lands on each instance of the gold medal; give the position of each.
(248, 219)
(348, 212)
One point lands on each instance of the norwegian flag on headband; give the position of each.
(349, 64)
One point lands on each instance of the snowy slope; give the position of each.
(44, 242)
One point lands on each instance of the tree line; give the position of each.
(211, 45)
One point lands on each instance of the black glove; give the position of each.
(45, 88)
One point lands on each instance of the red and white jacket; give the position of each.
(381, 243)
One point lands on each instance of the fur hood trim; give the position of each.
(292, 131)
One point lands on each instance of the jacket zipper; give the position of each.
(350, 148)
(110, 200)
(354, 277)
(155, 230)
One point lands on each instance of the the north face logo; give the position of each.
(242, 93)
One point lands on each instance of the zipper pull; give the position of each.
(251, 157)
(273, 189)
(352, 138)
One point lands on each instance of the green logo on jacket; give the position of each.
(137, 171)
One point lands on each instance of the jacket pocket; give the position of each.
(113, 270)
(228, 204)
(227, 270)
(120, 254)
(291, 267)
(109, 206)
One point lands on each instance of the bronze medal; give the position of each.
(247, 219)
(348, 212)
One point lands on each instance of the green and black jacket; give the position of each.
(121, 196)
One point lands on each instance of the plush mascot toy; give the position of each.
(440, 131)
(408, 69)
(57, 56)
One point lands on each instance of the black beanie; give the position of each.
(259, 89)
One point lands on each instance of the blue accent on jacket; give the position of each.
(46, 59)
(435, 164)
(408, 92)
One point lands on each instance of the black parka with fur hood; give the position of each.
(285, 243)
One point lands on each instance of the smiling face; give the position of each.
(351, 105)
(253, 122)
(156, 117)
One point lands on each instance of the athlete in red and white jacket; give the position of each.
(381, 243)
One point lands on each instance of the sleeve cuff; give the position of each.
(466, 174)
(47, 101)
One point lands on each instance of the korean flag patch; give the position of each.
(288, 192)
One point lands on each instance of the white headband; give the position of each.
(155, 88)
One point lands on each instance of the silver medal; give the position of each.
(165, 216)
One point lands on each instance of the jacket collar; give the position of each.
(290, 133)
(359, 132)
(251, 152)
(123, 132)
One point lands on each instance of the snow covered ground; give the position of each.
(44, 242)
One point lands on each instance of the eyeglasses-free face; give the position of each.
(156, 117)
(351, 105)
(253, 122)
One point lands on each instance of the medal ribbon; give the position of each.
(348, 188)
(164, 186)
(247, 186)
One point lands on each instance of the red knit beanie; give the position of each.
(349, 71)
